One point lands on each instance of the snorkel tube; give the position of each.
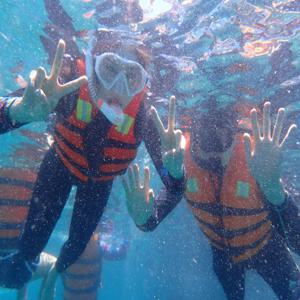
(113, 113)
(89, 65)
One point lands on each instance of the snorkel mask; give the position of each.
(214, 131)
(108, 70)
(122, 76)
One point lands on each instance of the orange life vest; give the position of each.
(231, 213)
(16, 187)
(118, 148)
(82, 279)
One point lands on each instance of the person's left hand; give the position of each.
(43, 92)
(172, 141)
(264, 153)
(139, 198)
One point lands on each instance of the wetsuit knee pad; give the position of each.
(15, 271)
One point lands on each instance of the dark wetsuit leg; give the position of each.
(89, 204)
(231, 276)
(50, 193)
(276, 265)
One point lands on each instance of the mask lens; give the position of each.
(106, 69)
(111, 69)
(136, 78)
(214, 134)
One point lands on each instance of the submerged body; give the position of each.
(247, 229)
(89, 151)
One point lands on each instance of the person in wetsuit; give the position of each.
(17, 110)
(83, 279)
(96, 136)
(16, 185)
(235, 193)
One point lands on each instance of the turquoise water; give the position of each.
(209, 51)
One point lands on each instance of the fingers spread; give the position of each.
(278, 126)
(292, 127)
(180, 141)
(136, 172)
(32, 77)
(247, 143)
(72, 86)
(39, 77)
(157, 121)
(60, 51)
(182, 144)
(147, 183)
(131, 179)
(255, 126)
(29, 91)
(267, 121)
(171, 119)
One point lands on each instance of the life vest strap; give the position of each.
(220, 210)
(229, 234)
(10, 226)
(252, 251)
(212, 236)
(87, 261)
(70, 166)
(76, 157)
(16, 182)
(68, 135)
(80, 291)
(239, 250)
(14, 203)
(85, 276)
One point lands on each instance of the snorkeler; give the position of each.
(40, 97)
(97, 133)
(235, 193)
(82, 280)
(16, 186)
(16, 111)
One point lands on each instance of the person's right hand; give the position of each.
(139, 199)
(264, 152)
(43, 92)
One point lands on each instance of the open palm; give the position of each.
(264, 149)
(43, 92)
(139, 198)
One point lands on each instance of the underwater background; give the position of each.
(233, 50)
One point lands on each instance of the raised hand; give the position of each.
(43, 92)
(264, 153)
(139, 198)
(172, 141)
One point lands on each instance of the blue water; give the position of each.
(174, 262)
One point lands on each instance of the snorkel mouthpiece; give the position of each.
(112, 112)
